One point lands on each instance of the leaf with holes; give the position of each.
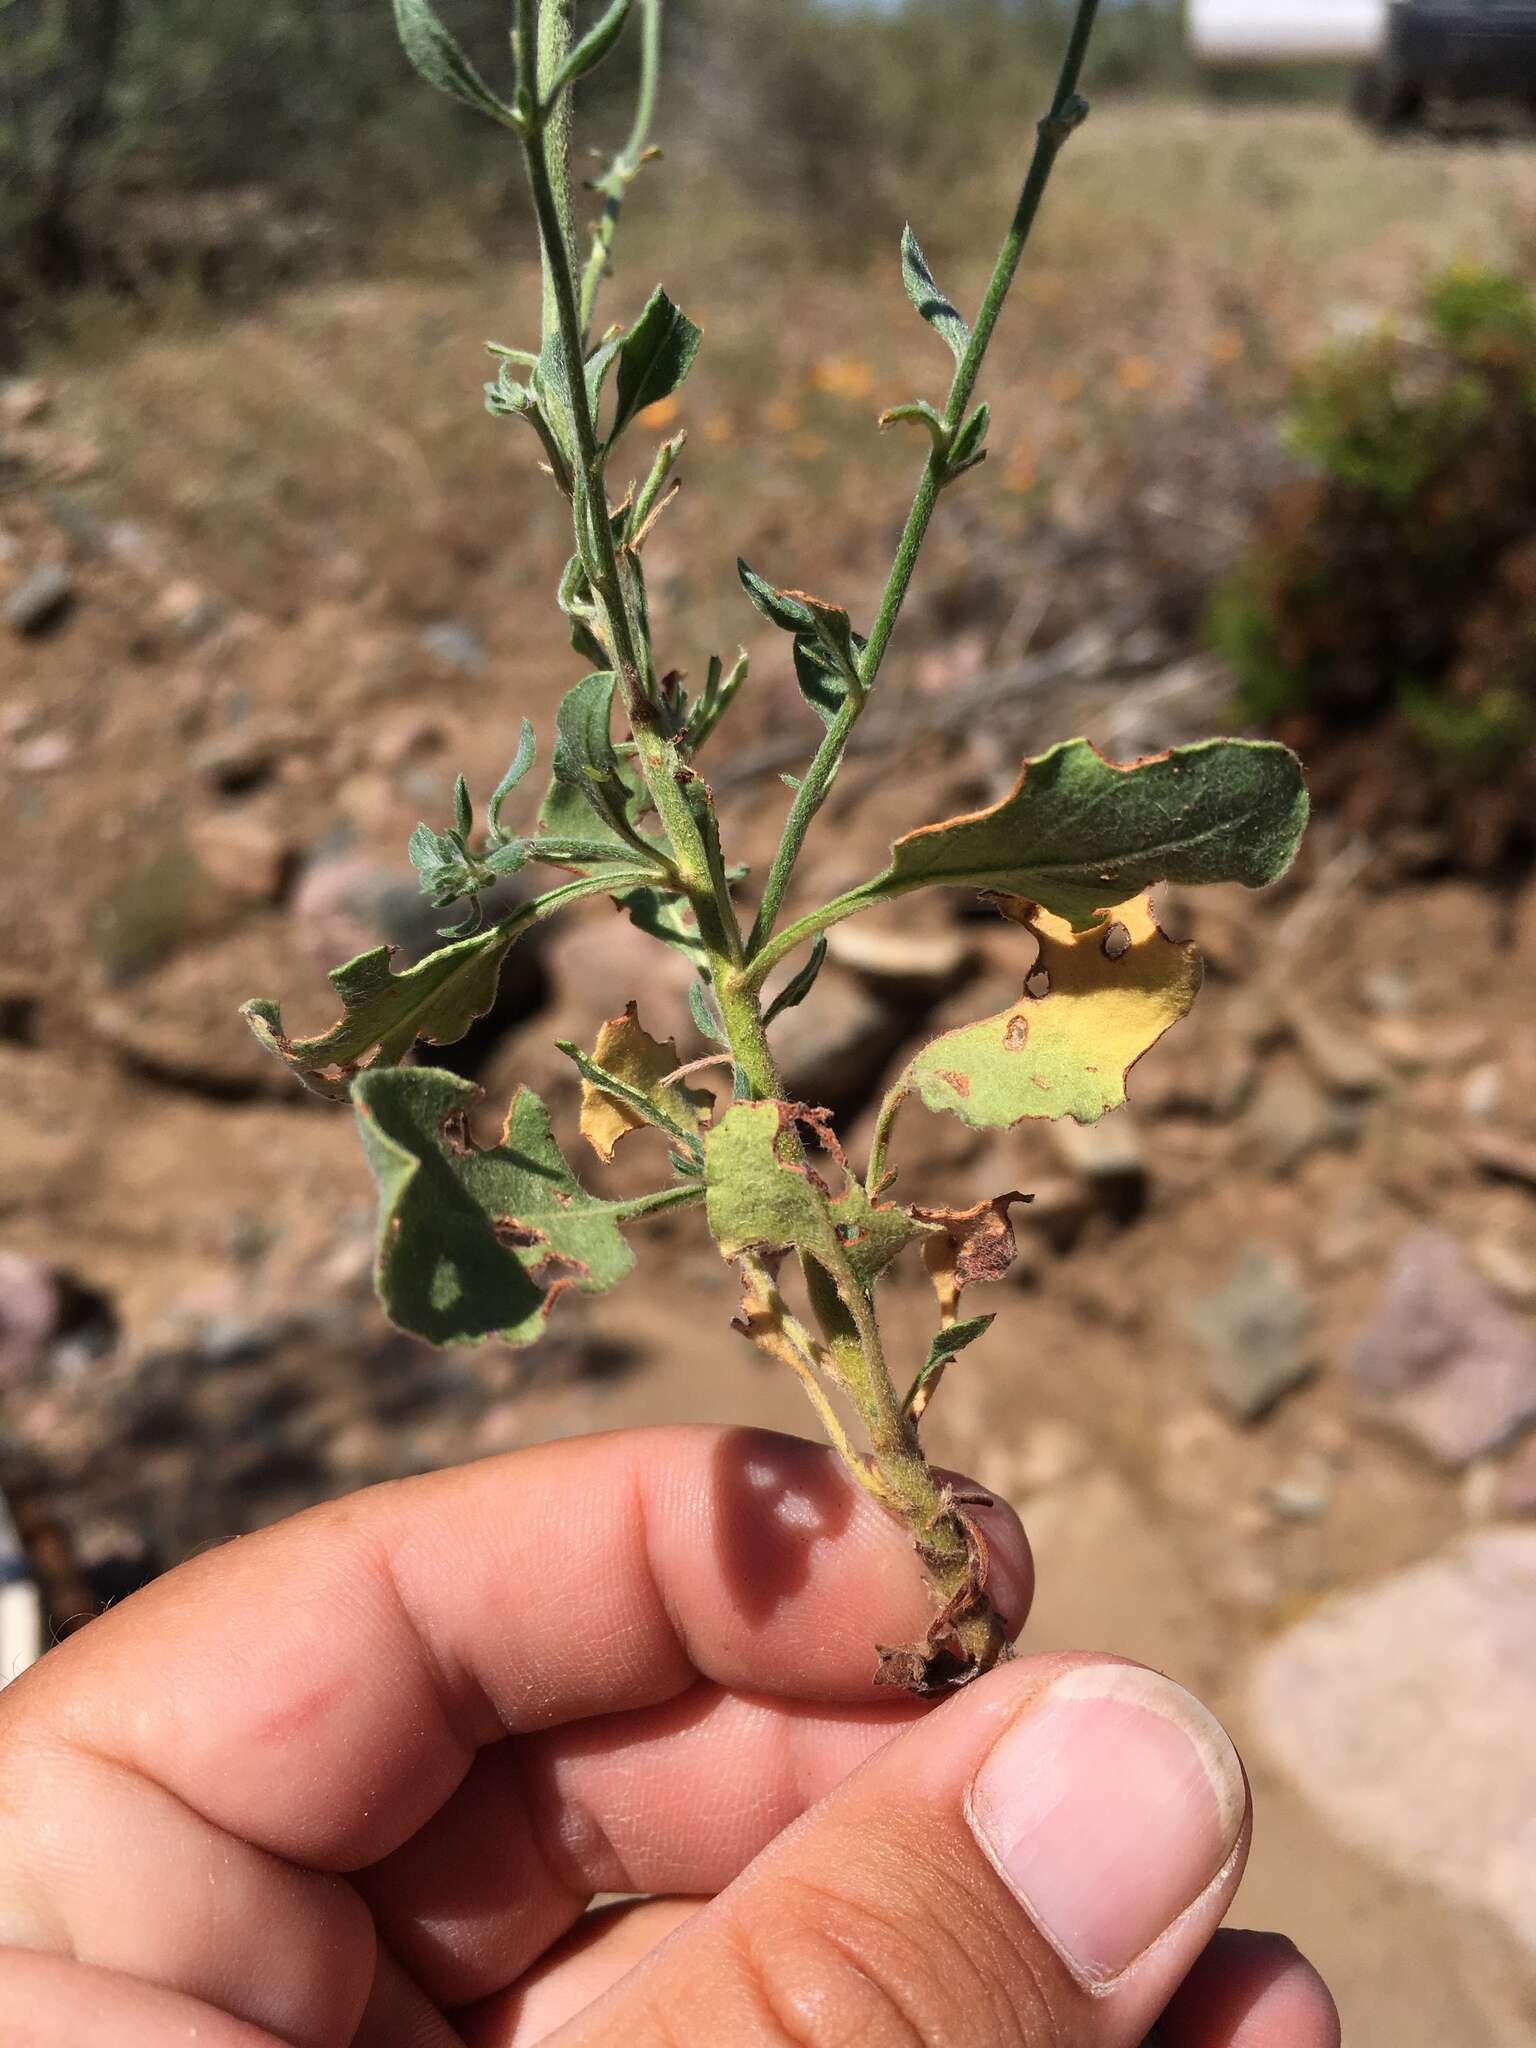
(1092, 1004)
(626, 1054)
(1078, 834)
(474, 1243)
(761, 1198)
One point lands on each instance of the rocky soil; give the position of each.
(1265, 1387)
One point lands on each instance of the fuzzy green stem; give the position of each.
(1066, 113)
(621, 173)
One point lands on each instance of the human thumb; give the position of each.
(1038, 1862)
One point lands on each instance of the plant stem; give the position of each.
(622, 171)
(1066, 113)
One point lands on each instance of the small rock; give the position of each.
(913, 963)
(1108, 1157)
(1441, 1358)
(832, 1050)
(185, 611)
(1508, 1269)
(1303, 1494)
(1252, 1332)
(403, 738)
(1503, 1158)
(1403, 1712)
(236, 763)
(1515, 1489)
(40, 601)
(455, 645)
(24, 401)
(45, 754)
(1413, 1047)
(1482, 1090)
(31, 1313)
(1387, 991)
(244, 854)
(1342, 1060)
(1290, 1118)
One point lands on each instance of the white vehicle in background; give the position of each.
(1411, 54)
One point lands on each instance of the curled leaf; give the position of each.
(1093, 1003)
(440, 61)
(1077, 834)
(945, 1346)
(625, 1052)
(760, 1197)
(924, 293)
(969, 1245)
(476, 1243)
(919, 413)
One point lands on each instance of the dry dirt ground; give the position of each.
(310, 582)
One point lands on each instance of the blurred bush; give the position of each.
(1390, 594)
(143, 137)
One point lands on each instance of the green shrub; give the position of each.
(1393, 585)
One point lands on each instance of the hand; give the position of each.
(358, 1778)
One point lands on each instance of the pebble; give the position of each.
(1108, 1156)
(455, 645)
(245, 855)
(45, 754)
(1403, 1713)
(31, 1313)
(1515, 1487)
(1503, 1158)
(1290, 1118)
(1342, 1060)
(24, 401)
(1252, 1332)
(913, 963)
(1441, 1358)
(833, 1049)
(40, 601)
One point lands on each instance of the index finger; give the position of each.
(320, 1689)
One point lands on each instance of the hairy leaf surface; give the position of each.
(477, 1243)
(1093, 1003)
(654, 357)
(1078, 834)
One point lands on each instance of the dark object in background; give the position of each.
(1458, 50)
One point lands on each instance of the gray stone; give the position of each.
(1343, 1061)
(1252, 1332)
(833, 1049)
(915, 963)
(41, 600)
(1404, 1713)
(1441, 1358)
(31, 1310)
(455, 645)
(1290, 1118)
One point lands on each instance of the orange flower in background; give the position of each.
(1136, 373)
(1066, 386)
(1227, 346)
(843, 377)
(1022, 471)
(719, 427)
(661, 414)
(783, 416)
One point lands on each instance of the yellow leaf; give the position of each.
(627, 1051)
(1092, 1004)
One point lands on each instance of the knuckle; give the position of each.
(923, 1954)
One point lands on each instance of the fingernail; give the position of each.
(1107, 1807)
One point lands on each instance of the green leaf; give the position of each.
(944, 1347)
(823, 684)
(441, 62)
(966, 449)
(472, 1243)
(785, 609)
(599, 363)
(795, 991)
(586, 763)
(924, 293)
(592, 48)
(706, 1017)
(437, 1000)
(654, 357)
(384, 1014)
(758, 1196)
(522, 761)
(1079, 834)
(917, 412)
(1092, 1004)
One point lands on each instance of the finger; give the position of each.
(604, 1947)
(320, 1689)
(102, 1865)
(679, 1798)
(1251, 1991)
(1039, 1862)
(49, 2002)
